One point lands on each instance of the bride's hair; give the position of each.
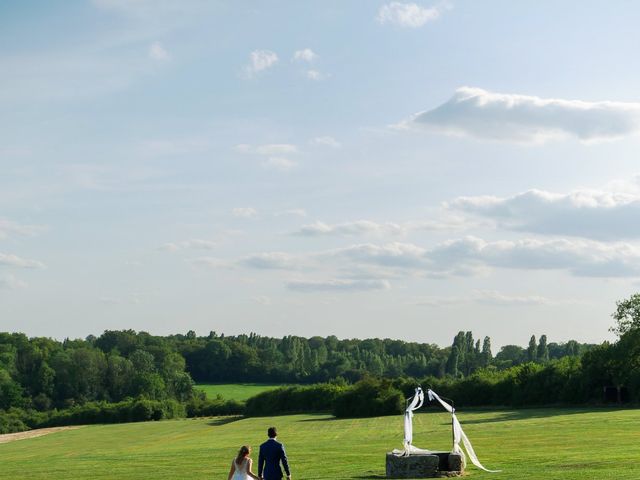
(242, 453)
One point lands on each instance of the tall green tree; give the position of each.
(486, 352)
(532, 351)
(543, 350)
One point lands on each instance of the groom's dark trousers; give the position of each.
(271, 455)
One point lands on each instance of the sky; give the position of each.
(349, 168)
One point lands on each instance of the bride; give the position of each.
(241, 466)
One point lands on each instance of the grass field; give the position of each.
(540, 444)
(236, 391)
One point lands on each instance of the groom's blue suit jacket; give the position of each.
(271, 454)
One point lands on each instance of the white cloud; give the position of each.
(491, 297)
(10, 282)
(369, 227)
(9, 260)
(262, 300)
(326, 141)
(314, 75)
(279, 163)
(9, 228)
(194, 243)
(470, 255)
(259, 61)
(158, 52)
(358, 227)
(209, 262)
(336, 285)
(275, 153)
(305, 55)
(520, 118)
(271, 261)
(244, 212)
(599, 214)
(408, 15)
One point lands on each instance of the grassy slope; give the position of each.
(236, 391)
(529, 444)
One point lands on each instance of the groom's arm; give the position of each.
(260, 462)
(285, 462)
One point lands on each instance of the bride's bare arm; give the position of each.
(232, 471)
(249, 472)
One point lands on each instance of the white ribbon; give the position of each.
(416, 403)
(459, 435)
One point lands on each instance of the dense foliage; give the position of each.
(130, 376)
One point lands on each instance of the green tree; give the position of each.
(486, 352)
(532, 350)
(454, 359)
(543, 350)
(627, 315)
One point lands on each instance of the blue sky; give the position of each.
(352, 168)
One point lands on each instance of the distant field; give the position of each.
(236, 391)
(541, 444)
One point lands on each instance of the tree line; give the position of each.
(128, 375)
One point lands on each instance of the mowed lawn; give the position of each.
(236, 391)
(545, 444)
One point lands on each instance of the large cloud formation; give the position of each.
(521, 118)
(462, 256)
(584, 213)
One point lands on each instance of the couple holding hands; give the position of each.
(271, 455)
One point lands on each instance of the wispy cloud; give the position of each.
(10, 260)
(337, 285)
(467, 256)
(10, 228)
(410, 15)
(244, 212)
(521, 118)
(279, 163)
(305, 55)
(192, 244)
(369, 227)
(158, 52)
(326, 141)
(274, 153)
(259, 61)
(271, 261)
(491, 297)
(598, 214)
(10, 282)
(357, 227)
(315, 75)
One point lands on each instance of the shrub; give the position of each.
(312, 398)
(369, 398)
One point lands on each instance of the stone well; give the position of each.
(431, 465)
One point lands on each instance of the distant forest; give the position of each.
(42, 373)
(130, 376)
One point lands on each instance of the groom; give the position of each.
(271, 454)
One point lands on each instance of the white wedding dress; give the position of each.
(241, 470)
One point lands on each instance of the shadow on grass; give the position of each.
(322, 418)
(524, 414)
(218, 421)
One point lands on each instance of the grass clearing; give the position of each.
(544, 444)
(236, 391)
